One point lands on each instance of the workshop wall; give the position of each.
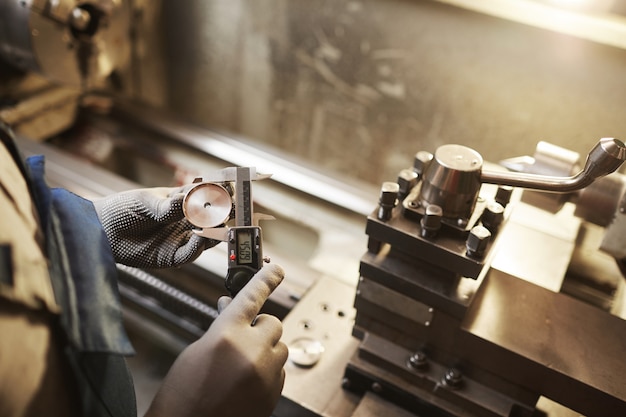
(357, 87)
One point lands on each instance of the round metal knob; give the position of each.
(452, 180)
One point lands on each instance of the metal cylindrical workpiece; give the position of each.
(207, 205)
(452, 180)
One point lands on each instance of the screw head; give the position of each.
(389, 193)
(453, 378)
(492, 216)
(431, 221)
(477, 241)
(421, 162)
(418, 361)
(377, 388)
(388, 198)
(407, 179)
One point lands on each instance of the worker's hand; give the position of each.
(147, 228)
(236, 368)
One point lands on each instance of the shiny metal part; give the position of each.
(477, 241)
(305, 352)
(77, 43)
(503, 195)
(79, 19)
(208, 202)
(421, 162)
(431, 222)
(493, 215)
(418, 360)
(606, 157)
(553, 160)
(452, 180)
(388, 199)
(407, 179)
(230, 174)
(548, 159)
(207, 205)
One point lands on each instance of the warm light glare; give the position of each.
(591, 20)
(583, 5)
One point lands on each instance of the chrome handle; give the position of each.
(606, 157)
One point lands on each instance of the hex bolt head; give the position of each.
(492, 216)
(377, 388)
(418, 361)
(503, 195)
(388, 197)
(477, 241)
(421, 162)
(431, 221)
(453, 378)
(407, 179)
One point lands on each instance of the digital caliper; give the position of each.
(209, 205)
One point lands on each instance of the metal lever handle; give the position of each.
(606, 157)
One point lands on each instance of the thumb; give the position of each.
(190, 250)
(249, 301)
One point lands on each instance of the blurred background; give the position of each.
(355, 86)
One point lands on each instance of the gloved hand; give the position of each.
(147, 228)
(236, 368)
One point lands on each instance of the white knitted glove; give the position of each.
(147, 228)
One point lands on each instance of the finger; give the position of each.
(270, 326)
(189, 251)
(223, 302)
(168, 209)
(248, 302)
